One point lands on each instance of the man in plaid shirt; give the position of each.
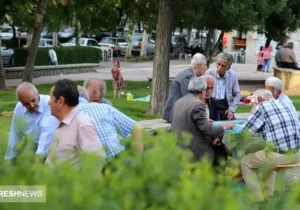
(110, 123)
(279, 129)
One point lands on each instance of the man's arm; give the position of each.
(199, 117)
(48, 127)
(128, 126)
(184, 85)
(13, 137)
(236, 94)
(256, 120)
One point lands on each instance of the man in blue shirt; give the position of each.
(32, 119)
(110, 122)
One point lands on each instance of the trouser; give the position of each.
(266, 65)
(222, 107)
(251, 162)
(289, 65)
(220, 156)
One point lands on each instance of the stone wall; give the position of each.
(289, 77)
(39, 71)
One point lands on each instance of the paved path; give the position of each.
(142, 71)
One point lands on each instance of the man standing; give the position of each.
(275, 121)
(189, 115)
(275, 85)
(32, 119)
(179, 86)
(97, 90)
(76, 132)
(227, 89)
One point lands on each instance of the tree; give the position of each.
(38, 28)
(2, 71)
(160, 82)
(282, 22)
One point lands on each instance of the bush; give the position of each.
(65, 55)
(161, 180)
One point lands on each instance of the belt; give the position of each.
(292, 151)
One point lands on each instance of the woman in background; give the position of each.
(118, 82)
(267, 55)
(260, 59)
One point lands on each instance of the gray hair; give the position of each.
(24, 88)
(227, 57)
(263, 93)
(197, 85)
(208, 77)
(83, 92)
(274, 82)
(198, 58)
(102, 84)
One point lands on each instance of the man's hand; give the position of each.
(229, 114)
(228, 125)
(210, 122)
(217, 142)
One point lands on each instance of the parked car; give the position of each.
(7, 33)
(137, 44)
(48, 43)
(66, 33)
(7, 55)
(118, 45)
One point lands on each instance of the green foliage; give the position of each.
(65, 55)
(162, 179)
(283, 21)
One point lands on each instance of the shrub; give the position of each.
(65, 55)
(161, 180)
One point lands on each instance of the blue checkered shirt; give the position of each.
(275, 121)
(109, 123)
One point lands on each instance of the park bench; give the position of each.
(289, 77)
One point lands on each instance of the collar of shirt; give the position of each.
(82, 100)
(218, 76)
(68, 119)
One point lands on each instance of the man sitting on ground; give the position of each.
(275, 121)
(109, 122)
(32, 119)
(189, 115)
(97, 90)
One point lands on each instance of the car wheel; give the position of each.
(11, 60)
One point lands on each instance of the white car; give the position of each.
(7, 55)
(7, 33)
(48, 43)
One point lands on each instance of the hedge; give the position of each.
(65, 55)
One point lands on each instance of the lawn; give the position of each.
(136, 110)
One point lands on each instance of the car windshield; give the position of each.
(7, 30)
(137, 38)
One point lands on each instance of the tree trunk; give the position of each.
(2, 72)
(38, 28)
(209, 58)
(129, 39)
(77, 33)
(160, 81)
(54, 39)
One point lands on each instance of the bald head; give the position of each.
(27, 94)
(96, 89)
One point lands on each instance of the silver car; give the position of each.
(7, 55)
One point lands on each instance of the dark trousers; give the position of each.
(289, 65)
(222, 107)
(221, 156)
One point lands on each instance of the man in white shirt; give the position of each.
(275, 85)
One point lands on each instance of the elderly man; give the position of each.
(227, 89)
(279, 54)
(275, 85)
(179, 86)
(288, 58)
(97, 90)
(108, 121)
(189, 115)
(32, 119)
(76, 132)
(275, 121)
